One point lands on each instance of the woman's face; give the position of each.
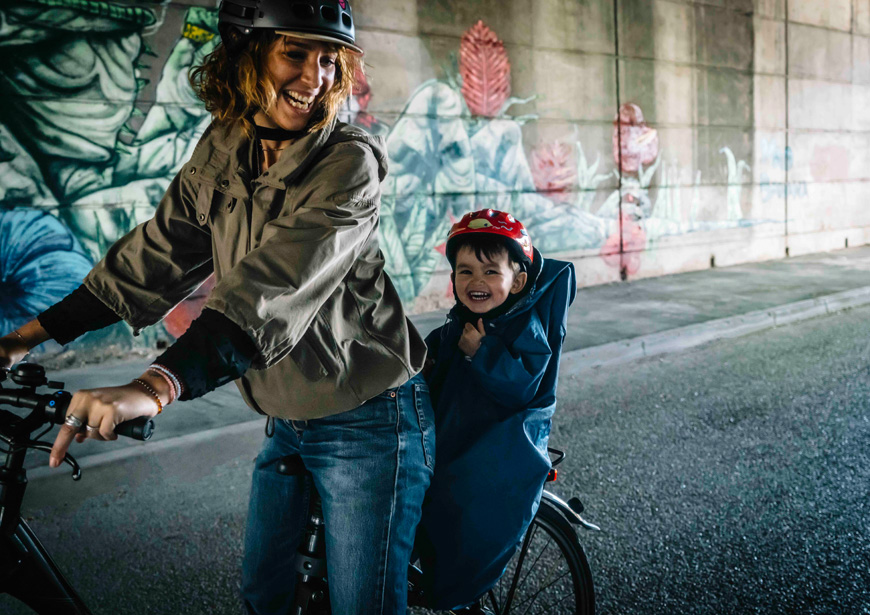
(302, 72)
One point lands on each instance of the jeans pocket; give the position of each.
(423, 406)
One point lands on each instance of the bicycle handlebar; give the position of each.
(51, 407)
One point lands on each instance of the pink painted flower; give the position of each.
(361, 89)
(362, 92)
(634, 143)
(554, 170)
(633, 244)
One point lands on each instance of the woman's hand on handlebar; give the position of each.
(102, 410)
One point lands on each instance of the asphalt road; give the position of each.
(729, 478)
(732, 478)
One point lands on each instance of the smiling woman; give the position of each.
(281, 202)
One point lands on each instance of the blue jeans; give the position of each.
(371, 466)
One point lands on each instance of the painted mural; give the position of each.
(85, 156)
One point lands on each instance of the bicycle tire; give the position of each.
(566, 586)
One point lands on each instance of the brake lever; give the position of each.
(77, 470)
(67, 458)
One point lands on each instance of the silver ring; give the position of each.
(89, 429)
(74, 422)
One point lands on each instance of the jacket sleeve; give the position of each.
(511, 373)
(209, 354)
(155, 266)
(276, 290)
(76, 314)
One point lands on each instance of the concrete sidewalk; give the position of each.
(607, 325)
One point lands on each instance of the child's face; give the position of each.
(484, 285)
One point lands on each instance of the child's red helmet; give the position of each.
(494, 222)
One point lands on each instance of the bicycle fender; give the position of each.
(563, 507)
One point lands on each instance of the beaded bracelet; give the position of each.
(168, 373)
(151, 391)
(173, 389)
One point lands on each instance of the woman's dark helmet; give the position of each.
(324, 20)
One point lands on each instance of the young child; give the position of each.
(492, 375)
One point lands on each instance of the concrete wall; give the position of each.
(742, 135)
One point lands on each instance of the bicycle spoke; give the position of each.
(531, 600)
(550, 583)
(548, 580)
(526, 542)
(493, 603)
(543, 576)
(557, 604)
(535, 563)
(534, 596)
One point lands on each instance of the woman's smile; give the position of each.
(298, 101)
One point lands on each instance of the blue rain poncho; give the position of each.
(492, 418)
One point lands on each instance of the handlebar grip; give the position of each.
(141, 428)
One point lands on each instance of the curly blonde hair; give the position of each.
(233, 89)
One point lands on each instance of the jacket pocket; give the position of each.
(211, 203)
(313, 354)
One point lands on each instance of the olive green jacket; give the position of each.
(296, 259)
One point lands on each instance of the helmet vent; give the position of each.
(303, 11)
(329, 13)
(346, 20)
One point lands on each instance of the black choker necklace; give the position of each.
(278, 134)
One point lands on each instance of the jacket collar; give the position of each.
(238, 150)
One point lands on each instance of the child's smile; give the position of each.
(483, 285)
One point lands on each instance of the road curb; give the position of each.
(683, 338)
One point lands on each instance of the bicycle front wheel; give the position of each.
(549, 574)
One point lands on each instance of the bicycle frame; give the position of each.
(27, 571)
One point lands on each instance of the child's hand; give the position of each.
(471, 336)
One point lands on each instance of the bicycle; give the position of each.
(563, 587)
(27, 571)
(550, 569)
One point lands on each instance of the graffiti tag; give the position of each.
(778, 190)
(776, 156)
